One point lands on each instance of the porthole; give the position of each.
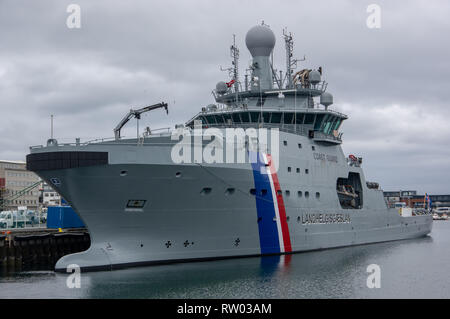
(206, 191)
(307, 194)
(279, 192)
(287, 192)
(306, 171)
(263, 192)
(253, 191)
(317, 195)
(229, 191)
(123, 173)
(178, 174)
(299, 194)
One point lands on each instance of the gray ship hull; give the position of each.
(180, 221)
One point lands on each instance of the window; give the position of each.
(288, 118)
(279, 192)
(276, 118)
(313, 148)
(253, 191)
(288, 193)
(298, 170)
(289, 169)
(299, 145)
(317, 195)
(284, 143)
(306, 171)
(299, 194)
(307, 194)
(263, 192)
(136, 203)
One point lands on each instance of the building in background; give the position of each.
(414, 200)
(16, 186)
(49, 196)
(393, 197)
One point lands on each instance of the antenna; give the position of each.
(234, 52)
(291, 63)
(51, 126)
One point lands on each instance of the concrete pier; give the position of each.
(39, 249)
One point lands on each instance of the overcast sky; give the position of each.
(392, 82)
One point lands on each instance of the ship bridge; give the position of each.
(296, 102)
(320, 124)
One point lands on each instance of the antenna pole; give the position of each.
(291, 63)
(51, 126)
(235, 55)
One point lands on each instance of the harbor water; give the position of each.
(415, 268)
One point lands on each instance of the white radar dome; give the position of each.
(221, 87)
(314, 77)
(326, 99)
(260, 40)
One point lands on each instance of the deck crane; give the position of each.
(137, 115)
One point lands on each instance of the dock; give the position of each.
(39, 248)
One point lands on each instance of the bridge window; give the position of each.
(299, 118)
(288, 118)
(276, 118)
(245, 117)
(318, 123)
(236, 118)
(255, 117)
(309, 119)
(219, 119)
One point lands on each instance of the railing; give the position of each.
(165, 131)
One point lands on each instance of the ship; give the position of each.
(281, 184)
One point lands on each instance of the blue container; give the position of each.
(63, 217)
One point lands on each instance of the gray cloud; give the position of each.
(392, 82)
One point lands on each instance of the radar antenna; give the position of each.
(234, 70)
(137, 115)
(291, 63)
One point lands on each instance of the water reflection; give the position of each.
(334, 273)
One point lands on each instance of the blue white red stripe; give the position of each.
(273, 229)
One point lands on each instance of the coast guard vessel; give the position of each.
(152, 199)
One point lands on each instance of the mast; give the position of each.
(234, 51)
(291, 63)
